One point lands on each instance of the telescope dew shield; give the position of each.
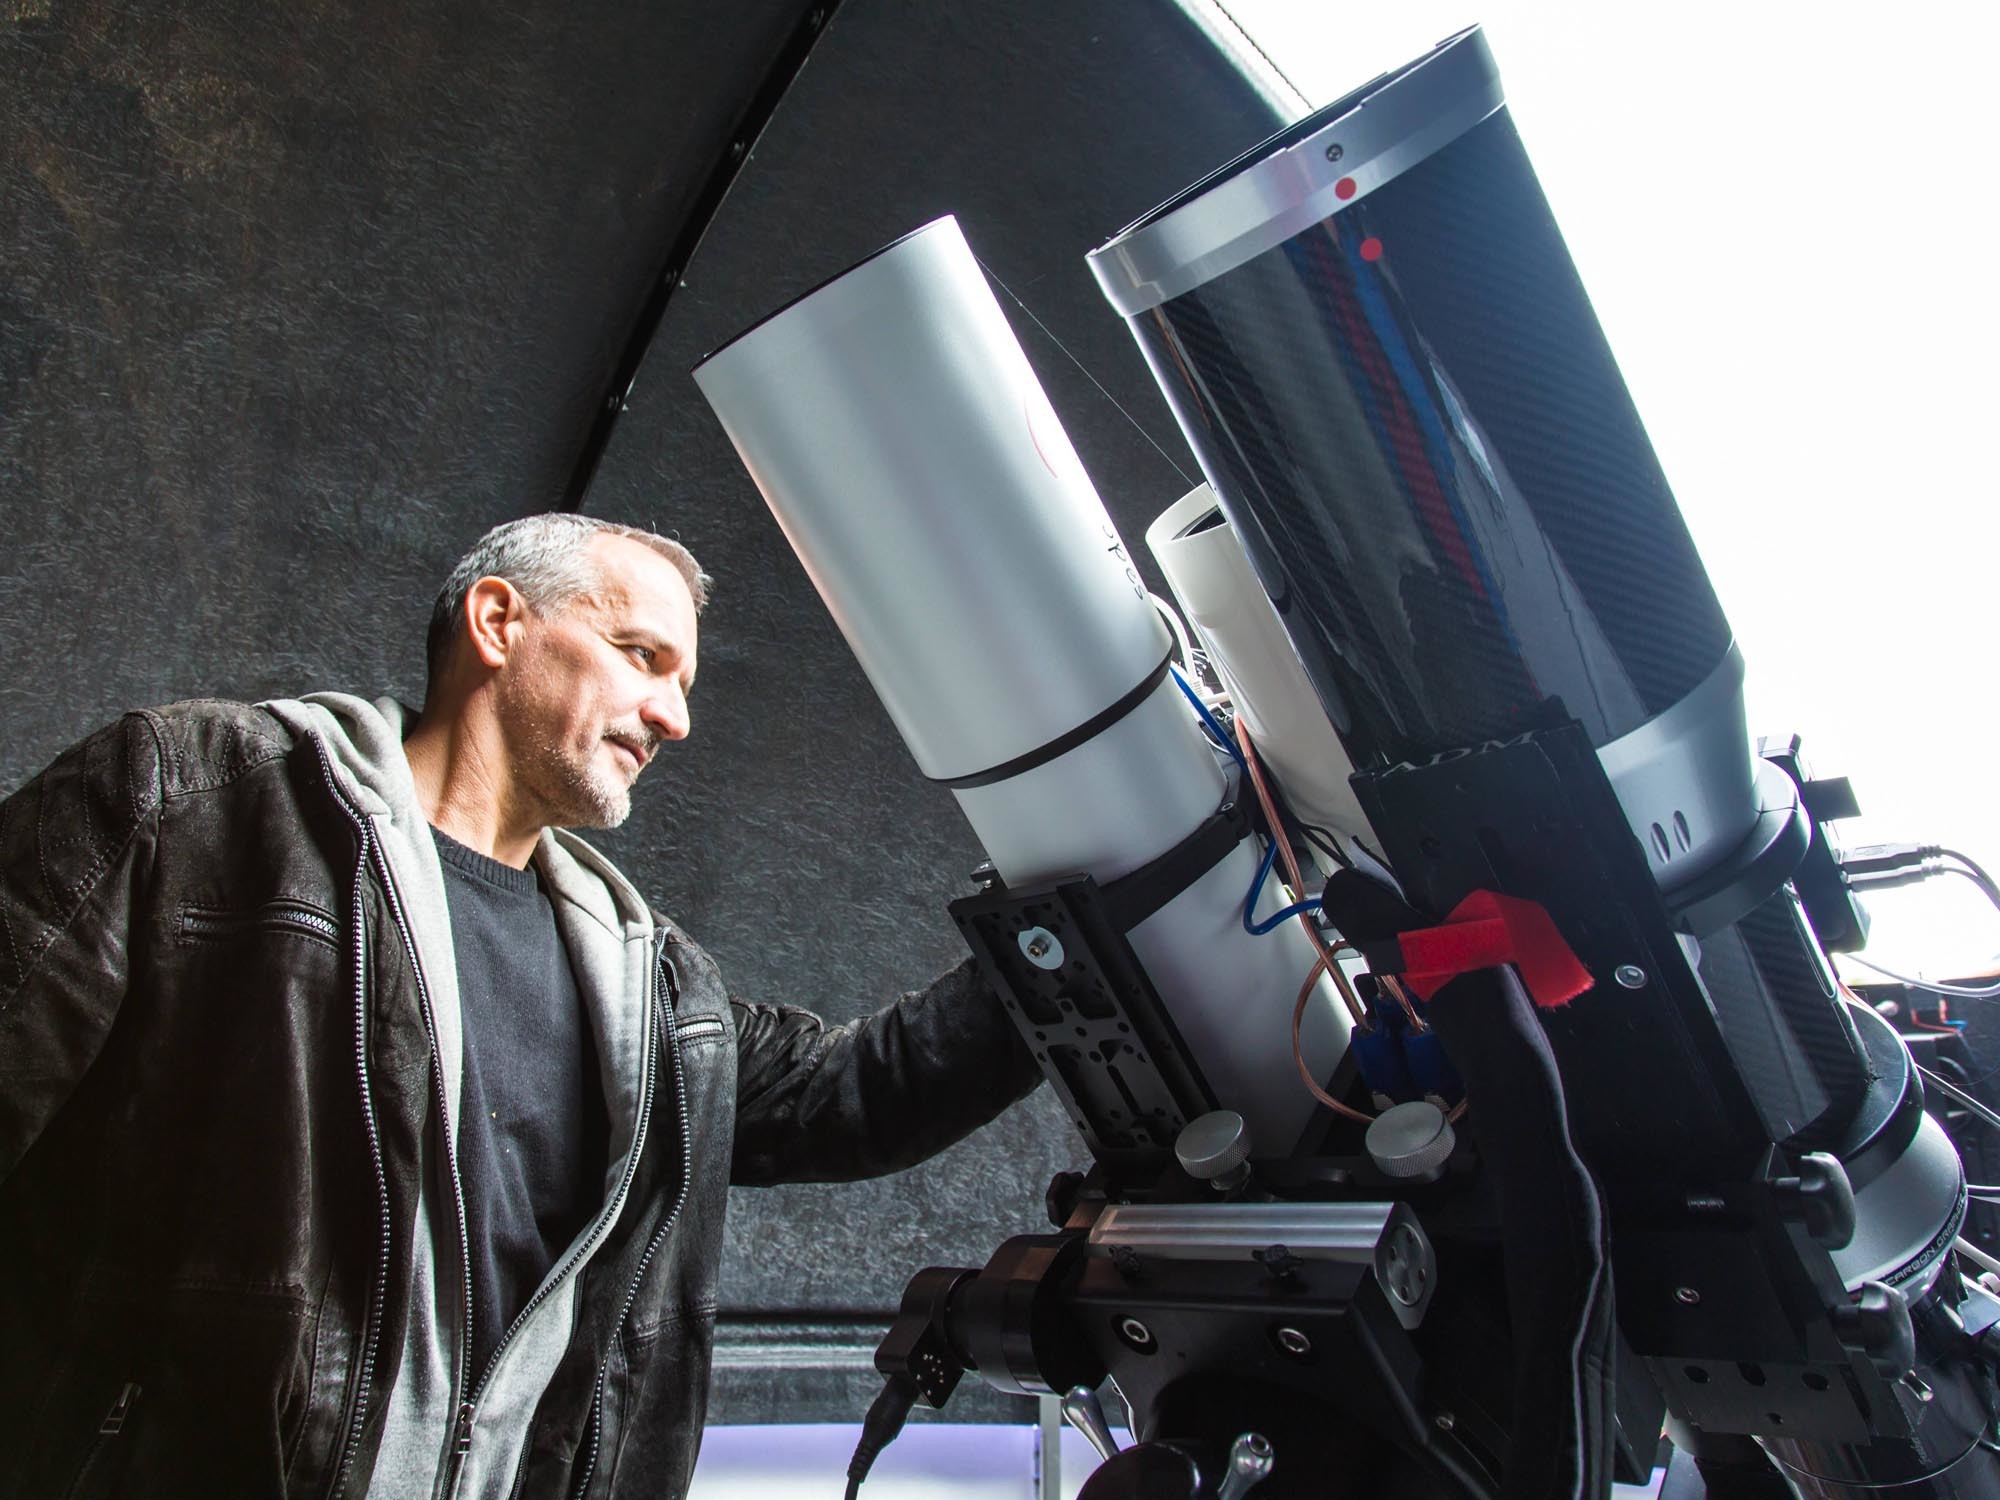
(1373, 337)
(900, 438)
(1197, 549)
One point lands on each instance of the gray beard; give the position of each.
(578, 793)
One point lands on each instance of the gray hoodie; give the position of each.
(608, 931)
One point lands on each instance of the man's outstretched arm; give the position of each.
(75, 844)
(820, 1103)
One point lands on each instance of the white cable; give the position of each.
(1978, 1256)
(1956, 991)
(1960, 866)
(1976, 875)
(1952, 1091)
(1176, 627)
(1192, 659)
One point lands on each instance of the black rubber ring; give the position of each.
(1062, 744)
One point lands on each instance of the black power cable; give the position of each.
(878, 1430)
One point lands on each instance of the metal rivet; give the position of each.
(1293, 1342)
(1445, 1421)
(1334, 153)
(1630, 975)
(1135, 1333)
(1687, 1295)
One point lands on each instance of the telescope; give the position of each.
(1436, 972)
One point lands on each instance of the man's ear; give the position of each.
(494, 609)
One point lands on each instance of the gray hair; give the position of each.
(546, 558)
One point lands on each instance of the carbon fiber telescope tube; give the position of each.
(1373, 336)
(1371, 332)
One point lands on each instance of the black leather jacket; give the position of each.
(214, 1080)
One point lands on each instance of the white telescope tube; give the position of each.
(1225, 605)
(904, 445)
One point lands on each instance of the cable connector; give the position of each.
(1882, 859)
(1889, 879)
(879, 1428)
(1878, 867)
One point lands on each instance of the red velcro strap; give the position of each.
(1486, 930)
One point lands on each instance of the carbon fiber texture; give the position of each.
(1412, 416)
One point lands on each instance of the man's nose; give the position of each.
(665, 712)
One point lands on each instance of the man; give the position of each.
(361, 1132)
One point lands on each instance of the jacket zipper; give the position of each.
(461, 1443)
(461, 1446)
(371, 1323)
(107, 1431)
(197, 922)
(649, 1072)
(665, 972)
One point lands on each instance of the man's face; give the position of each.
(595, 688)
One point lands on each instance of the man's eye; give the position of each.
(643, 655)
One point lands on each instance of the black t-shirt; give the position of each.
(533, 1131)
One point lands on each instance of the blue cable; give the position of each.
(1209, 720)
(1257, 887)
(1277, 919)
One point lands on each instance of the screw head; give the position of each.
(1291, 1341)
(1403, 1266)
(1687, 1296)
(1334, 153)
(1631, 976)
(1135, 1333)
(1041, 947)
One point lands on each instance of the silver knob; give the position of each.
(1250, 1461)
(1082, 1410)
(1410, 1140)
(1216, 1149)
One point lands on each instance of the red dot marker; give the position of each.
(1371, 248)
(1344, 189)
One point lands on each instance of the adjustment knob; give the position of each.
(1877, 1323)
(1820, 1197)
(1216, 1149)
(1411, 1140)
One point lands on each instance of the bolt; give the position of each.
(1445, 1421)
(1334, 153)
(1135, 1333)
(1630, 975)
(1038, 948)
(1293, 1342)
(1687, 1296)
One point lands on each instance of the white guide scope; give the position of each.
(899, 436)
(1210, 574)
